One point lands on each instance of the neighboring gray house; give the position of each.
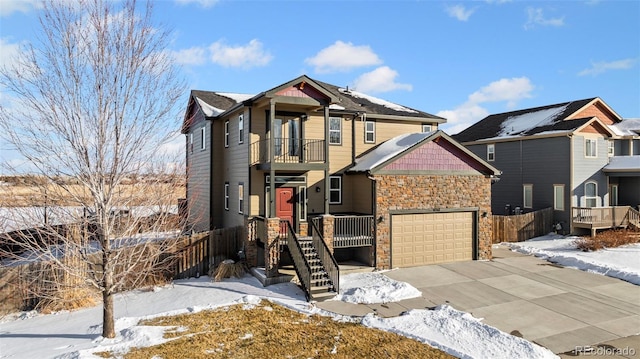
(578, 154)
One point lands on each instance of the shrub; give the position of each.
(608, 239)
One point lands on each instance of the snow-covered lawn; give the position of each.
(621, 262)
(77, 334)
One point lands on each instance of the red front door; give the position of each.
(284, 205)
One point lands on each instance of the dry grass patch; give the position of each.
(608, 239)
(272, 331)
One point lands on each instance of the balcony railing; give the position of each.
(289, 150)
(604, 217)
(350, 230)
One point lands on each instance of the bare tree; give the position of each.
(92, 104)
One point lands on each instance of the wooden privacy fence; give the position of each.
(520, 227)
(200, 251)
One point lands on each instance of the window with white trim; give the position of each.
(302, 203)
(613, 195)
(241, 128)
(335, 130)
(558, 197)
(369, 132)
(226, 196)
(527, 196)
(203, 136)
(240, 197)
(591, 194)
(611, 148)
(335, 189)
(590, 147)
(491, 152)
(226, 133)
(426, 128)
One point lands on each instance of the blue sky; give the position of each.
(461, 60)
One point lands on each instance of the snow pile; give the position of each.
(369, 288)
(458, 333)
(621, 262)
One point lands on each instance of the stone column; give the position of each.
(272, 248)
(250, 242)
(327, 230)
(304, 229)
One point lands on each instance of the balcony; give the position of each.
(594, 218)
(289, 154)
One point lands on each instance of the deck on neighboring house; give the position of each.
(594, 218)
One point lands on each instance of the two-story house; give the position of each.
(307, 149)
(572, 155)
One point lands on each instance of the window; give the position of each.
(302, 201)
(558, 197)
(613, 195)
(226, 133)
(369, 132)
(191, 143)
(611, 148)
(294, 138)
(203, 136)
(240, 197)
(277, 136)
(226, 196)
(591, 194)
(335, 130)
(491, 152)
(426, 128)
(590, 147)
(241, 128)
(335, 189)
(527, 194)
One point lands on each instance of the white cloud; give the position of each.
(202, 3)
(536, 17)
(343, 56)
(8, 51)
(8, 7)
(382, 79)
(459, 12)
(247, 56)
(192, 56)
(599, 67)
(509, 90)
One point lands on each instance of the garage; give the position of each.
(431, 238)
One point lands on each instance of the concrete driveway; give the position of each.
(555, 307)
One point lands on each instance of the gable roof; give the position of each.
(397, 147)
(214, 104)
(557, 118)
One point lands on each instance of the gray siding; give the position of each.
(542, 163)
(198, 174)
(586, 169)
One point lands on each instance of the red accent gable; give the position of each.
(436, 156)
(301, 90)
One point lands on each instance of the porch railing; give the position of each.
(353, 231)
(289, 150)
(328, 260)
(301, 265)
(601, 217)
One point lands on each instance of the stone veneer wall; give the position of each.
(425, 192)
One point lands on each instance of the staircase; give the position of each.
(321, 286)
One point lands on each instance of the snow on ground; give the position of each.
(369, 288)
(77, 334)
(621, 262)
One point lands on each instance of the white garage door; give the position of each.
(431, 238)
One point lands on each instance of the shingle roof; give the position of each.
(525, 122)
(349, 101)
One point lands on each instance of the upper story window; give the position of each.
(369, 132)
(335, 130)
(591, 194)
(491, 152)
(203, 137)
(241, 128)
(611, 148)
(558, 197)
(335, 189)
(226, 133)
(527, 194)
(426, 128)
(590, 147)
(240, 197)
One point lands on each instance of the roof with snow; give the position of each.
(396, 147)
(627, 127)
(623, 164)
(533, 121)
(214, 103)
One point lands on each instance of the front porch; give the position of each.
(594, 218)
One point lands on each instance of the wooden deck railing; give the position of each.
(289, 150)
(594, 218)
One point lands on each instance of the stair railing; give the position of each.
(328, 260)
(300, 263)
(634, 217)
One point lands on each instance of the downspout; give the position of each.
(272, 149)
(353, 140)
(326, 159)
(571, 187)
(374, 211)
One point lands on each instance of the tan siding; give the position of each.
(385, 130)
(315, 202)
(360, 189)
